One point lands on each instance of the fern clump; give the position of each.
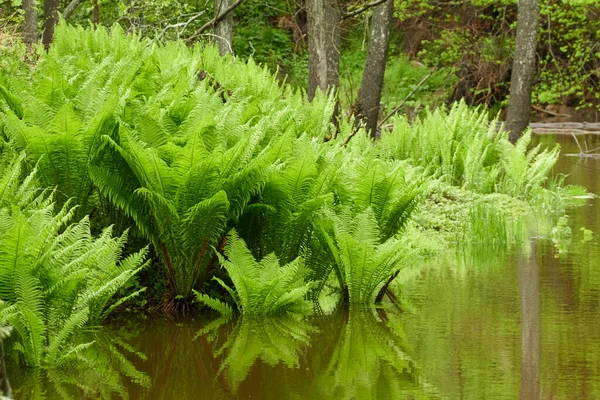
(464, 148)
(57, 279)
(363, 263)
(261, 287)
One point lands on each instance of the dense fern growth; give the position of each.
(467, 150)
(55, 278)
(188, 147)
(264, 287)
(363, 263)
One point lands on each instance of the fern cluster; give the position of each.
(56, 279)
(466, 149)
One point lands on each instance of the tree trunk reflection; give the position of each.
(530, 325)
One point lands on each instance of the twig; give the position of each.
(406, 98)
(215, 20)
(184, 25)
(577, 141)
(352, 134)
(363, 9)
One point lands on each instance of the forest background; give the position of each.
(464, 49)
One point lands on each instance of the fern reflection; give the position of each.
(348, 355)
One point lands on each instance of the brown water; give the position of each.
(483, 326)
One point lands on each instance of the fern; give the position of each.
(364, 265)
(468, 151)
(55, 278)
(263, 287)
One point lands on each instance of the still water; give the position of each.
(480, 326)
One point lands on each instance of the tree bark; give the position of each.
(72, 6)
(523, 70)
(224, 28)
(30, 33)
(4, 384)
(369, 94)
(50, 21)
(324, 18)
(95, 13)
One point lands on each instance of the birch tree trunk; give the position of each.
(50, 21)
(369, 94)
(523, 70)
(324, 19)
(30, 33)
(224, 29)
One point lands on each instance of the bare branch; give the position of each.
(215, 20)
(182, 25)
(71, 7)
(362, 9)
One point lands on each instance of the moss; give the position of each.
(445, 212)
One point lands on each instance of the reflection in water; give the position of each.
(490, 327)
(271, 340)
(353, 355)
(529, 287)
(369, 361)
(102, 371)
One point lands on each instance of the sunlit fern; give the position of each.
(262, 287)
(364, 264)
(54, 276)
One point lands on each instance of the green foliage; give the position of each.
(487, 226)
(525, 170)
(119, 112)
(587, 234)
(189, 145)
(466, 149)
(261, 288)
(402, 75)
(478, 42)
(56, 279)
(363, 262)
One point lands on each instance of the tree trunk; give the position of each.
(95, 13)
(324, 18)
(4, 384)
(50, 20)
(224, 29)
(369, 94)
(30, 33)
(523, 70)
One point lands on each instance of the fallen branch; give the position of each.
(215, 20)
(562, 131)
(540, 109)
(567, 125)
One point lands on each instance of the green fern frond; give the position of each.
(217, 305)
